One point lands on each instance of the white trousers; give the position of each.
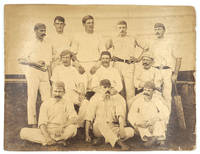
(110, 132)
(127, 72)
(159, 131)
(35, 135)
(36, 80)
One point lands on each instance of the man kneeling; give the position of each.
(57, 120)
(148, 115)
(108, 110)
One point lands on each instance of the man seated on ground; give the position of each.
(104, 70)
(57, 120)
(106, 114)
(149, 116)
(74, 83)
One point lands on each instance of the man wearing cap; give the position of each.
(147, 73)
(57, 120)
(106, 71)
(107, 115)
(74, 83)
(165, 60)
(37, 58)
(88, 46)
(149, 116)
(123, 48)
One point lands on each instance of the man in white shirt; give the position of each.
(57, 120)
(38, 57)
(88, 46)
(106, 71)
(149, 116)
(123, 48)
(107, 114)
(165, 60)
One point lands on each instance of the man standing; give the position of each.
(165, 61)
(149, 116)
(106, 71)
(38, 57)
(88, 46)
(108, 113)
(57, 120)
(123, 49)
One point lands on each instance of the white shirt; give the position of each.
(163, 52)
(68, 75)
(108, 111)
(109, 73)
(59, 43)
(142, 76)
(54, 113)
(88, 47)
(37, 50)
(142, 111)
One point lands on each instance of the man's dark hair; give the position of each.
(105, 83)
(159, 25)
(122, 22)
(85, 18)
(39, 25)
(65, 52)
(60, 18)
(105, 53)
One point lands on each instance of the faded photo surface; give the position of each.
(99, 77)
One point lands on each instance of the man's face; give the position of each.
(105, 60)
(148, 93)
(66, 60)
(40, 33)
(59, 25)
(159, 32)
(147, 62)
(89, 26)
(122, 30)
(58, 92)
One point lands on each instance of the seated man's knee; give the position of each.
(129, 132)
(24, 132)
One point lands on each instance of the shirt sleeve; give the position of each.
(43, 115)
(120, 107)
(117, 82)
(95, 79)
(55, 75)
(157, 79)
(133, 115)
(71, 111)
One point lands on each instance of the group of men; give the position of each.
(89, 82)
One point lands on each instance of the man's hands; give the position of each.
(50, 141)
(59, 131)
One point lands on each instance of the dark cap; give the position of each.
(159, 25)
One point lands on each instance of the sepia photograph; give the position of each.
(99, 77)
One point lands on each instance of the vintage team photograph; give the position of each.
(99, 78)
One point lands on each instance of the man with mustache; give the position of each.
(166, 60)
(88, 47)
(107, 114)
(38, 54)
(106, 71)
(123, 48)
(147, 73)
(149, 116)
(57, 120)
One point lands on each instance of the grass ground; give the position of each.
(16, 118)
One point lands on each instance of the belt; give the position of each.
(122, 60)
(162, 67)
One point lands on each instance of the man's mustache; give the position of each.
(145, 64)
(146, 94)
(43, 35)
(58, 97)
(157, 33)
